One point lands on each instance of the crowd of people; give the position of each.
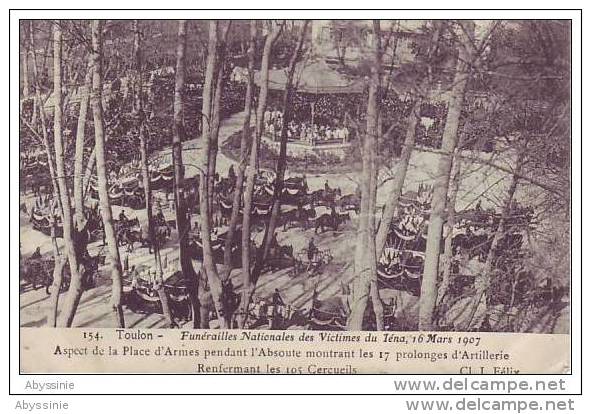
(305, 132)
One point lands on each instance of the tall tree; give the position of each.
(75, 290)
(84, 93)
(88, 171)
(178, 132)
(450, 223)
(245, 136)
(483, 280)
(408, 144)
(238, 187)
(365, 283)
(59, 259)
(288, 96)
(209, 109)
(441, 184)
(101, 170)
(138, 116)
(213, 127)
(251, 170)
(43, 121)
(25, 56)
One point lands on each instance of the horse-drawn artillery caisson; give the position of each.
(48, 224)
(140, 287)
(128, 190)
(331, 314)
(33, 173)
(401, 264)
(218, 242)
(37, 271)
(401, 270)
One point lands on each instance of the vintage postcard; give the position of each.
(295, 196)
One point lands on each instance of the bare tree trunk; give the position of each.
(27, 70)
(376, 300)
(59, 260)
(408, 146)
(282, 161)
(45, 65)
(399, 178)
(209, 109)
(483, 280)
(101, 169)
(362, 268)
(177, 158)
(365, 253)
(89, 171)
(451, 221)
(440, 189)
(139, 125)
(215, 110)
(26, 47)
(237, 194)
(46, 144)
(213, 134)
(84, 93)
(75, 290)
(34, 114)
(253, 163)
(50, 157)
(138, 113)
(58, 277)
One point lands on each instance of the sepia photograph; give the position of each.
(306, 175)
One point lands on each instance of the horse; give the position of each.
(161, 233)
(127, 237)
(299, 216)
(280, 257)
(123, 226)
(35, 272)
(129, 223)
(294, 317)
(332, 220)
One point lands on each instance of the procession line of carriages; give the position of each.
(401, 266)
(129, 191)
(295, 197)
(37, 272)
